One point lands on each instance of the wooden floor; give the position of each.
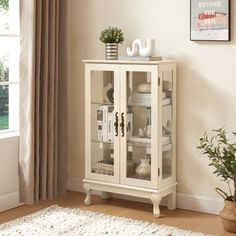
(188, 220)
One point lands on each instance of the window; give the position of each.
(9, 65)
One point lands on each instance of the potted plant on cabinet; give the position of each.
(222, 156)
(112, 36)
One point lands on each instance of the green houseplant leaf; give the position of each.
(222, 156)
(112, 35)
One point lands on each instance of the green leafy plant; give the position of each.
(4, 76)
(4, 4)
(222, 156)
(112, 35)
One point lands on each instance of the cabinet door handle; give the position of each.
(122, 125)
(116, 124)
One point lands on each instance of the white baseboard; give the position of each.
(187, 201)
(200, 203)
(9, 200)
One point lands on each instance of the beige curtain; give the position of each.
(43, 99)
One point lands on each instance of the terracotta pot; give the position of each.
(228, 216)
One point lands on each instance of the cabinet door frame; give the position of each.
(89, 68)
(172, 178)
(153, 70)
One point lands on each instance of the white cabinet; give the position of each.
(130, 130)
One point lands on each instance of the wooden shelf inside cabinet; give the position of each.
(101, 142)
(166, 147)
(102, 103)
(135, 176)
(139, 144)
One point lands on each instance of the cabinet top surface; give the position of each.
(129, 62)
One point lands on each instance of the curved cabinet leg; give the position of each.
(87, 200)
(106, 195)
(156, 199)
(171, 204)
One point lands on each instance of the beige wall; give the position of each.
(206, 76)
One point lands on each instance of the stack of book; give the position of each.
(105, 123)
(144, 99)
(165, 140)
(140, 99)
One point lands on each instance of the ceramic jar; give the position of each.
(144, 168)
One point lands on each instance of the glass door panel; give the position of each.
(138, 170)
(102, 123)
(167, 124)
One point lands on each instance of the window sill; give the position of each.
(8, 134)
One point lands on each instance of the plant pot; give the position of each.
(111, 51)
(228, 216)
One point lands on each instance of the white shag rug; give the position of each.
(55, 221)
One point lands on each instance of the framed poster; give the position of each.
(210, 20)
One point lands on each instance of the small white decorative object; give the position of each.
(132, 52)
(140, 133)
(107, 93)
(144, 168)
(144, 88)
(144, 47)
(167, 127)
(149, 131)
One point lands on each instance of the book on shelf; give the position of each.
(144, 99)
(166, 147)
(99, 123)
(140, 58)
(140, 99)
(141, 96)
(145, 96)
(105, 121)
(165, 139)
(129, 124)
(110, 127)
(166, 101)
(139, 140)
(104, 112)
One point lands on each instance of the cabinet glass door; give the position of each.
(167, 148)
(102, 155)
(139, 91)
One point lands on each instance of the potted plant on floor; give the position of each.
(222, 156)
(112, 36)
